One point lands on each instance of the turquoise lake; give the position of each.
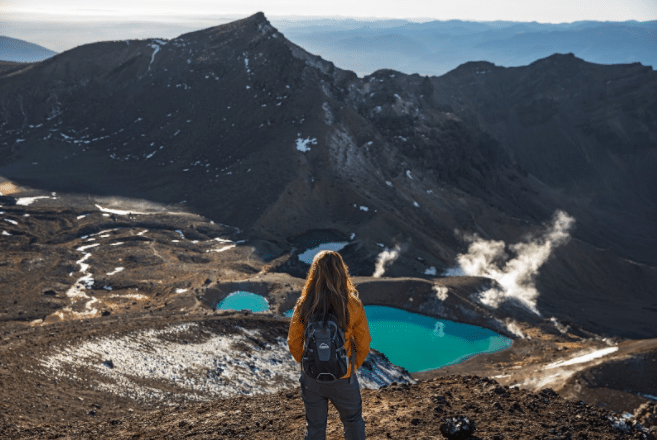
(418, 343)
(415, 342)
(241, 300)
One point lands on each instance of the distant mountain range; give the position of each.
(12, 49)
(436, 47)
(252, 131)
(364, 46)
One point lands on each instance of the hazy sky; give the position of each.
(60, 25)
(545, 11)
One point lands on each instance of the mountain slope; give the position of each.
(244, 127)
(585, 129)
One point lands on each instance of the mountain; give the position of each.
(436, 47)
(244, 127)
(143, 181)
(12, 49)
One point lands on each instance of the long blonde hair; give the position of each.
(327, 290)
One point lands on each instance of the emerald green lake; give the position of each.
(418, 343)
(241, 300)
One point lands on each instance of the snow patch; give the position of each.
(198, 371)
(302, 144)
(121, 212)
(89, 246)
(308, 256)
(26, 201)
(136, 296)
(585, 358)
(156, 49)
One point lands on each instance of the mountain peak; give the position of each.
(258, 17)
(559, 59)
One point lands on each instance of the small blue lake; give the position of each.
(418, 343)
(242, 300)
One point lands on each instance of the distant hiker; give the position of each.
(330, 337)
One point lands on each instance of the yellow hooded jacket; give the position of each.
(358, 330)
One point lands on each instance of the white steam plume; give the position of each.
(385, 258)
(441, 292)
(515, 276)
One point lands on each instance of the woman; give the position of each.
(329, 289)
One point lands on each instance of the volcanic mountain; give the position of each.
(244, 127)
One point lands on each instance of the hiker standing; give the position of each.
(329, 336)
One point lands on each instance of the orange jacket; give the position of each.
(357, 330)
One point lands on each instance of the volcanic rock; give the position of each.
(457, 428)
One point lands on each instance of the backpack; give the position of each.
(324, 356)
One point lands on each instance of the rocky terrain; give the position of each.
(397, 411)
(144, 181)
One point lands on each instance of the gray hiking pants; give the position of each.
(346, 399)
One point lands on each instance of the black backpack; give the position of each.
(324, 356)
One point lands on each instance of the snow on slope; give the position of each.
(221, 366)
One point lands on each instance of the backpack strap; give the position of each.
(353, 362)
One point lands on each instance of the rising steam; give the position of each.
(385, 259)
(515, 276)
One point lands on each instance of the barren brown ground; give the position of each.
(168, 279)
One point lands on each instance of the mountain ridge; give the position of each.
(276, 141)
